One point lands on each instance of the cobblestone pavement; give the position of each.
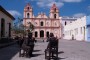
(68, 50)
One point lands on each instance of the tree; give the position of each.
(31, 27)
(18, 27)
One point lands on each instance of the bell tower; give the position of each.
(28, 11)
(54, 12)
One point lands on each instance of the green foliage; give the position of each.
(31, 27)
(20, 29)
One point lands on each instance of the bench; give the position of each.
(52, 51)
(24, 50)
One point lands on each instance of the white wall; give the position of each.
(74, 28)
(7, 20)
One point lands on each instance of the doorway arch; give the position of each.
(47, 34)
(41, 33)
(36, 34)
(2, 27)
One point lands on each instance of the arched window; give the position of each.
(41, 23)
(27, 15)
(28, 8)
(55, 16)
(65, 23)
(55, 10)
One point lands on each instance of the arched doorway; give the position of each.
(9, 30)
(84, 32)
(36, 34)
(2, 27)
(47, 34)
(41, 33)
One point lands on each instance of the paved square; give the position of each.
(68, 50)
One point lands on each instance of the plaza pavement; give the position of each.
(68, 50)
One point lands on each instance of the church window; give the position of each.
(55, 16)
(65, 23)
(27, 15)
(41, 23)
(28, 8)
(55, 9)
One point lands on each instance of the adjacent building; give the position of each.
(88, 28)
(5, 23)
(64, 21)
(78, 29)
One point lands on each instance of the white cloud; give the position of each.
(72, 0)
(14, 12)
(48, 3)
(79, 15)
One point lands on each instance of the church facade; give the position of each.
(43, 24)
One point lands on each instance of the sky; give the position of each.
(72, 8)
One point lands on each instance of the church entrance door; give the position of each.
(47, 34)
(41, 33)
(2, 27)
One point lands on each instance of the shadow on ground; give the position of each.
(59, 58)
(36, 50)
(35, 55)
(9, 52)
(60, 52)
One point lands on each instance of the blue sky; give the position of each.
(76, 8)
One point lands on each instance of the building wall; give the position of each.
(68, 20)
(7, 20)
(48, 25)
(88, 28)
(76, 29)
(0, 27)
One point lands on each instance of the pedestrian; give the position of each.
(72, 37)
(47, 39)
